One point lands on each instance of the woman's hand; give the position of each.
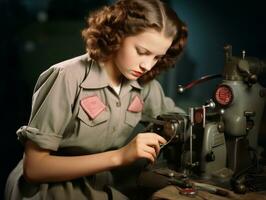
(144, 145)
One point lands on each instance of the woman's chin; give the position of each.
(131, 77)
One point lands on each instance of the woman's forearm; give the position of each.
(40, 166)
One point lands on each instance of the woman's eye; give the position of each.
(140, 52)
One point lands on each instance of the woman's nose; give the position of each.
(143, 68)
(146, 66)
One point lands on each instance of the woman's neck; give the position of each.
(115, 76)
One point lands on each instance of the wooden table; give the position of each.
(173, 193)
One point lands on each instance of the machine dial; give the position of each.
(224, 95)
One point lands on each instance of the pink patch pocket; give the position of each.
(93, 106)
(136, 105)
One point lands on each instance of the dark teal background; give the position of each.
(36, 34)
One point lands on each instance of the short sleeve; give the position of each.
(155, 101)
(52, 101)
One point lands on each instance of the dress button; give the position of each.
(118, 104)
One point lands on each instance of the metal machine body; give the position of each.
(214, 151)
(218, 140)
(243, 102)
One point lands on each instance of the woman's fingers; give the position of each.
(152, 139)
(151, 151)
(151, 142)
(144, 145)
(149, 156)
(161, 139)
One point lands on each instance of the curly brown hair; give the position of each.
(108, 26)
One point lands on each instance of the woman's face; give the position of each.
(138, 54)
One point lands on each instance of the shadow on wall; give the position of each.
(179, 75)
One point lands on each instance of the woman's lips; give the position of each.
(136, 73)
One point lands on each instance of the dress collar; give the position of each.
(98, 78)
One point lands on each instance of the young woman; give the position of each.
(84, 109)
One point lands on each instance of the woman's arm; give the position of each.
(40, 166)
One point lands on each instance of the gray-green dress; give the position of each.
(61, 123)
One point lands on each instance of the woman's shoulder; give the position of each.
(73, 69)
(151, 89)
(151, 85)
(70, 72)
(73, 66)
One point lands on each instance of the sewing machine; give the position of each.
(218, 141)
